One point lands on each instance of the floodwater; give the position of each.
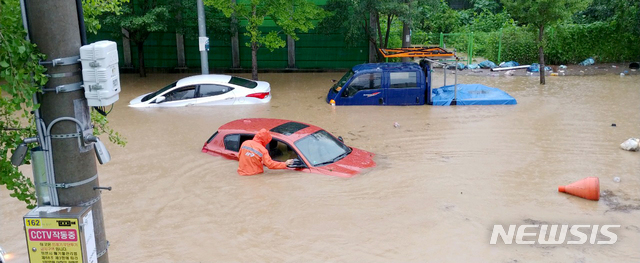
(444, 178)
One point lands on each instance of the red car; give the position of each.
(315, 150)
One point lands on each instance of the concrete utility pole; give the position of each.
(54, 27)
(202, 32)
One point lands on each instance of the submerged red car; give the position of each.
(316, 150)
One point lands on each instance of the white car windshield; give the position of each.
(153, 94)
(320, 148)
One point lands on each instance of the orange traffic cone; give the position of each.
(588, 188)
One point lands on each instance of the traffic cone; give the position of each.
(588, 188)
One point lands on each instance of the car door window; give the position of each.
(232, 142)
(367, 81)
(280, 151)
(401, 80)
(208, 90)
(183, 93)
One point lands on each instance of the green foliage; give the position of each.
(573, 43)
(21, 76)
(347, 18)
(218, 26)
(622, 14)
(289, 15)
(543, 12)
(141, 18)
(439, 18)
(92, 9)
(565, 44)
(518, 44)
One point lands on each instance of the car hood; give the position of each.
(350, 165)
(137, 102)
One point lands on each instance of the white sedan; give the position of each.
(206, 90)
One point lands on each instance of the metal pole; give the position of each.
(54, 28)
(500, 46)
(470, 49)
(455, 87)
(202, 32)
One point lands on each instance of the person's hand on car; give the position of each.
(289, 162)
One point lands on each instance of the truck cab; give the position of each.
(405, 83)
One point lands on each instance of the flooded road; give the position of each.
(444, 178)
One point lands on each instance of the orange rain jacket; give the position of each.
(253, 155)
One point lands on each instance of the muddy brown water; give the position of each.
(444, 177)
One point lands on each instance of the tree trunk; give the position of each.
(386, 35)
(541, 54)
(378, 28)
(140, 45)
(254, 61)
(406, 33)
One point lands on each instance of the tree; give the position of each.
(363, 19)
(218, 25)
(20, 78)
(92, 9)
(542, 13)
(289, 15)
(141, 18)
(623, 14)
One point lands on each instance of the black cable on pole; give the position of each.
(83, 31)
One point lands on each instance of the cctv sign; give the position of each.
(60, 235)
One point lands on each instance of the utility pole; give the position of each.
(202, 32)
(55, 27)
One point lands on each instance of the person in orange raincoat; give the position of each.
(253, 155)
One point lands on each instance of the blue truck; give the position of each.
(399, 83)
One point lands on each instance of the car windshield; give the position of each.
(320, 148)
(336, 87)
(153, 94)
(250, 84)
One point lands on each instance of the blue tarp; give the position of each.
(509, 64)
(535, 67)
(471, 94)
(487, 64)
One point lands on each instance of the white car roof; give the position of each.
(199, 79)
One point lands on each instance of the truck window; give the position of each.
(399, 80)
(365, 81)
(338, 86)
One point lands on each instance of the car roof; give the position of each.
(199, 79)
(253, 125)
(389, 66)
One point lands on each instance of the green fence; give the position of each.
(313, 50)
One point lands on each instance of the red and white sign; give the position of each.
(53, 235)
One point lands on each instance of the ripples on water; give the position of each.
(445, 176)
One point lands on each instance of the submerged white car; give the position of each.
(204, 90)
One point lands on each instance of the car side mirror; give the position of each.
(340, 139)
(297, 163)
(160, 99)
